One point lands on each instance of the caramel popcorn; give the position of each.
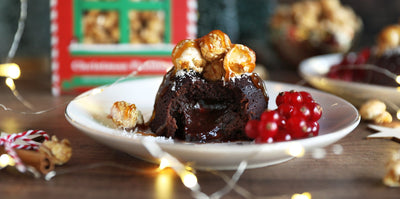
(375, 110)
(392, 177)
(187, 55)
(383, 118)
(389, 38)
(126, 115)
(59, 151)
(102, 27)
(146, 27)
(317, 21)
(214, 70)
(214, 56)
(214, 45)
(240, 59)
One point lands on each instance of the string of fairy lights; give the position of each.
(11, 71)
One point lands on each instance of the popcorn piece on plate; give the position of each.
(126, 115)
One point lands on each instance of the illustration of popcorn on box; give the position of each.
(96, 42)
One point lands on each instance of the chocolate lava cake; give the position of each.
(201, 101)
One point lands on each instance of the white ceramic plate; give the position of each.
(88, 112)
(314, 71)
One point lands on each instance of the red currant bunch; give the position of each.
(296, 117)
(351, 67)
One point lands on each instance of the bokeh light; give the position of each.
(305, 195)
(6, 160)
(189, 179)
(10, 70)
(318, 153)
(296, 150)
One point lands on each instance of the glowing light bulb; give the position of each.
(398, 114)
(10, 70)
(164, 163)
(189, 179)
(10, 83)
(304, 195)
(296, 150)
(398, 79)
(6, 160)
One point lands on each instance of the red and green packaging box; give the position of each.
(96, 42)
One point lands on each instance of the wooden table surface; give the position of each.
(355, 173)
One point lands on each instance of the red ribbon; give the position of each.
(9, 143)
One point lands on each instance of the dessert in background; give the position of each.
(313, 27)
(379, 64)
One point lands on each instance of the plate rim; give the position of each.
(304, 65)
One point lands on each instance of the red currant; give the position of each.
(294, 98)
(289, 97)
(363, 56)
(282, 136)
(347, 69)
(261, 139)
(270, 115)
(307, 98)
(251, 129)
(267, 128)
(282, 123)
(313, 128)
(280, 98)
(285, 110)
(297, 127)
(302, 111)
(316, 111)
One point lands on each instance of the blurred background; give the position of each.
(245, 21)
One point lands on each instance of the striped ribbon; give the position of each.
(21, 140)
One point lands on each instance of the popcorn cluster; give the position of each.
(388, 39)
(102, 27)
(214, 55)
(392, 176)
(317, 22)
(375, 110)
(59, 151)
